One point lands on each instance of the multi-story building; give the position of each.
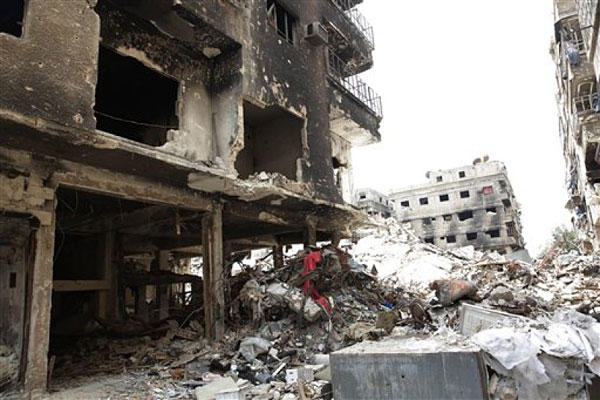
(471, 205)
(373, 203)
(575, 52)
(161, 130)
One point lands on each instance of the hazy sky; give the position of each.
(460, 79)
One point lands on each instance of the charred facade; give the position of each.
(471, 205)
(575, 53)
(135, 135)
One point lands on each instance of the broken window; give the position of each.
(487, 190)
(506, 203)
(464, 194)
(465, 215)
(429, 240)
(439, 179)
(450, 239)
(362, 196)
(491, 210)
(448, 217)
(495, 233)
(423, 201)
(461, 174)
(272, 142)
(471, 235)
(134, 101)
(281, 20)
(426, 221)
(405, 203)
(511, 229)
(444, 197)
(11, 17)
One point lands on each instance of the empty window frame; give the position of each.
(491, 210)
(487, 189)
(405, 203)
(471, 235)
(465, 215)
(461, 174)
(494, 233)
(362, 196)
(423, 201)
(444, 197)
(465, 194)
(281, 20)
(134, 101)
(506, 203)
(450, 239)
(439, 178)
(448, 217)
(426, 221)
(11, 17)
(429, 240)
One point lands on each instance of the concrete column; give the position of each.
(212, 273)
(36, 375)
(336, 237)
(278, 256)
(163, 292)
(107, 298)
(310, 232)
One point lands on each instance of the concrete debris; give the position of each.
(535, 326)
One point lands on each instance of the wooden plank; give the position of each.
(80, 285)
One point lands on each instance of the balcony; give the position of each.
(348, 8)
(343, 76)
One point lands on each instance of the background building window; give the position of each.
(281, 20)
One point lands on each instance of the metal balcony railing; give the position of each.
(342, 74)
(360, 22)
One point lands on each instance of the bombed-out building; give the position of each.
(136, 134)
(471, 205)
(575, 53)
(373, 203)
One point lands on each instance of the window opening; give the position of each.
(11, 17)
(471, 235)
(465, 194)
(461, 174)
(134, 101)
(465, 215)
(405, 203)
(444, 197)
(495, 233)
(423, 201)
(450, 239)
(281, 20)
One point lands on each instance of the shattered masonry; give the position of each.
(471, 205)
(574, 50)
(137, 135)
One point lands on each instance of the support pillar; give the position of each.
(163, 292)
(278, 256)
(107, 298)
(36, 375)
(336, 237)
(212, 273)
(310, 232)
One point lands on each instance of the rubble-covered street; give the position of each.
(536, 325)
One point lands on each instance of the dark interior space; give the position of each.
(133, 101)
(272, 142)
(11, 17)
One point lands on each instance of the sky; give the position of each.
(464, 78)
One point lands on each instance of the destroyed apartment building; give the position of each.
(373, 203)
(575, 53)
(471, 205)
(136, 135)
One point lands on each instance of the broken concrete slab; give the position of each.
(473, 319)
(408, 368)
(210, 391)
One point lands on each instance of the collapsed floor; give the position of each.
(387, 287)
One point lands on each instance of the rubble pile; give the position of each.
(541, 338)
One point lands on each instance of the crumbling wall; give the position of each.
(50, 71)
